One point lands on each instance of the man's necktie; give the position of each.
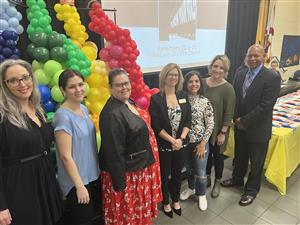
(247, 82)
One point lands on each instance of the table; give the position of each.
(283, 155)
(282, 158)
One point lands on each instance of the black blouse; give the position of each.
(125, 144)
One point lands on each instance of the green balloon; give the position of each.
(75, 67)
(41, 4)
(51, 67)
(40, 39)
(41, 54)
(85, 72)
(36, 65)
(59, 54)
(48, 29)
(34, 22)
(30, 16)
(30, 48)
(39, 29)
(30, 29)
(37, 14)
(55, 40)
(41, 77)
(56, 94)
(50, 116)
(30, 3)
(55, 78)
(43, 21)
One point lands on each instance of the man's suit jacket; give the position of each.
(256, 109)
(160, 119)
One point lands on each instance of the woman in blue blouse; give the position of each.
(77, 161)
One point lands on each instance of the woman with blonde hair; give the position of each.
(29, 193)
(222, 97)
(170, 112)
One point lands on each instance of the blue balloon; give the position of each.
(49, 106)
(4, 16)
(45, 93)
(11, 11)
(4, 4)
(13, 22)
(19, 16)
(19, 29)
(3, 24)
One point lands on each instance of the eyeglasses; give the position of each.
(120, 85)
(14, 82)
(173, 75)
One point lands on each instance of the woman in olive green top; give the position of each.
(222, 96)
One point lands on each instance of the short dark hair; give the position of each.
(66, 75)
(188, 76)
(113, 73)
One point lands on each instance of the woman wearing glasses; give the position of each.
(128, 157)
(170, 112)
(29, 193)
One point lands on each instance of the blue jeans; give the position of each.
(197, 169)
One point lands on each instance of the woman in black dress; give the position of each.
(29, 193)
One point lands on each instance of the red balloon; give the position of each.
(104, 54)
(126, 32)
(132, 57)
(111, 35)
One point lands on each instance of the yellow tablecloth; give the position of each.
(283, 155)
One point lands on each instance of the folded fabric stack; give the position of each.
(286, 112)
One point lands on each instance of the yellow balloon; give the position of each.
(94, 95)
(94, 80)
(75, 42)
(91, 44)
(59, 17)
(90, 52)
(57, 8)
(96, 108)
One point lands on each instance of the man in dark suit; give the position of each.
(257, 89)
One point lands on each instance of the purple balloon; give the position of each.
(16, 51)
(2, 40)
(10, 44)
(2, 58)
(6, 34)
(6, 52)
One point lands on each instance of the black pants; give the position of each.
(85, 213)
(171, 163)
(245, 150)
(217, 159)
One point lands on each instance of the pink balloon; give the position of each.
(116, 51)
(113, 63)
(104, 54)
(143, 102)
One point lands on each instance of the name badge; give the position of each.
(182, 101)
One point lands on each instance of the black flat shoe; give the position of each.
(169, 214)
(177, 211)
